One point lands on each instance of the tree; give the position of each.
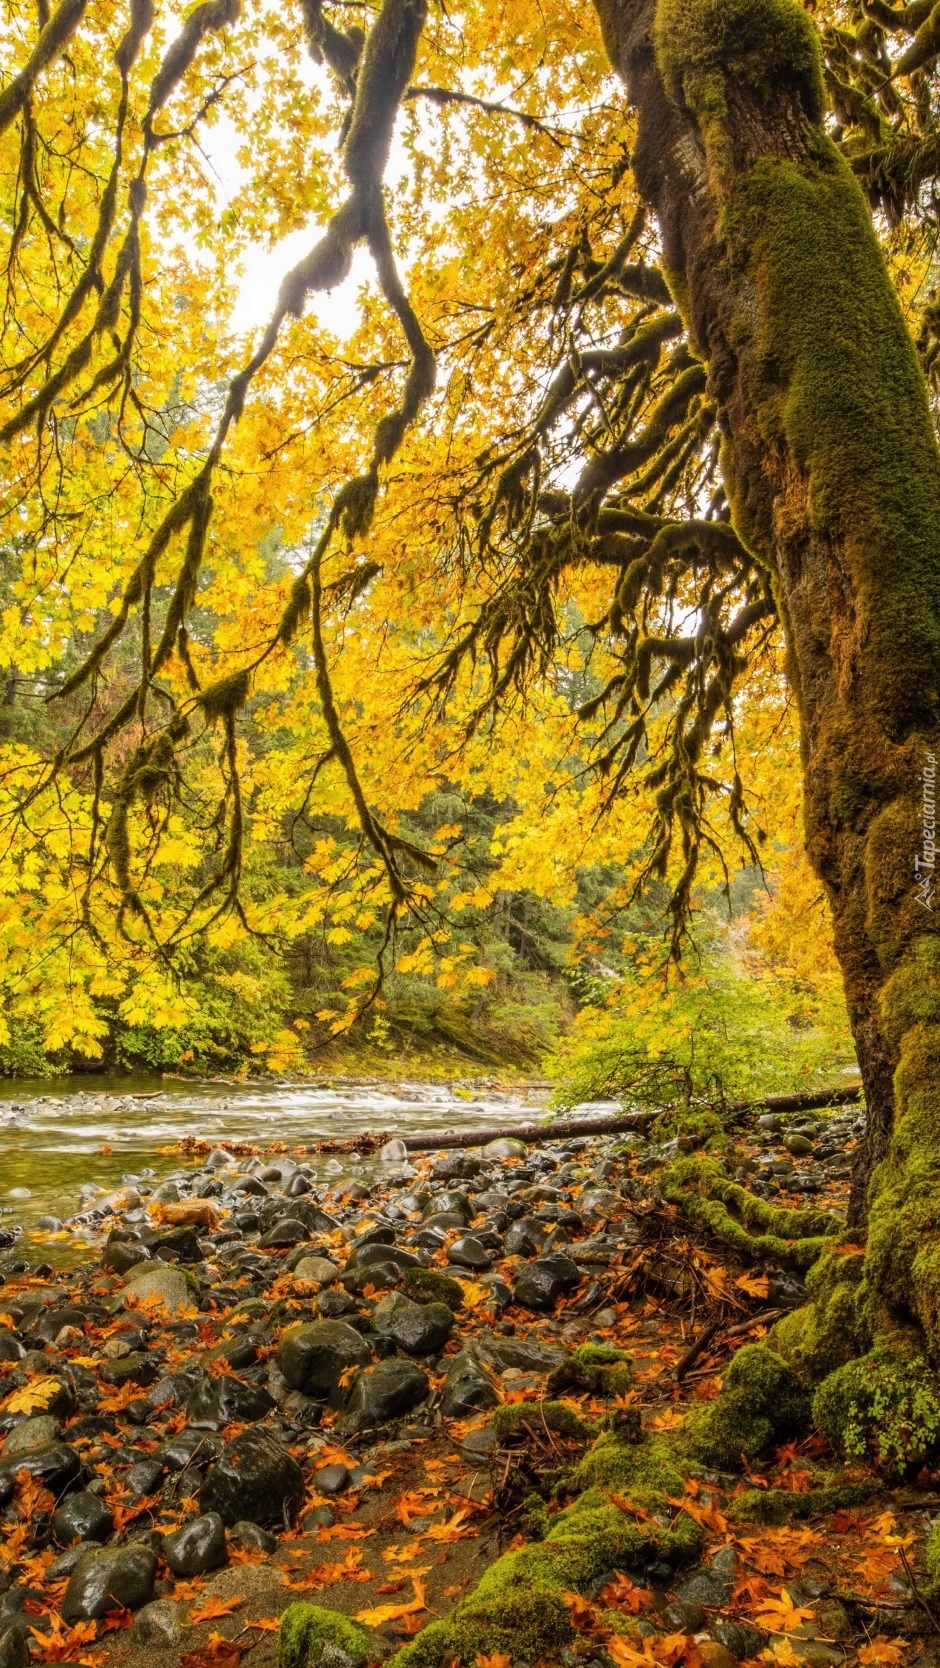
(684, 400)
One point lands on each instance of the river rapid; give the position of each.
(65, 1142)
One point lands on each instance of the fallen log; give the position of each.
(563, 1129)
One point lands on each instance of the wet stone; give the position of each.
(14, 1651)
(62, 1567)
(287, 1232)
(682, 1616)
(417, 1328)
(129, 1369)
(467, 1388)
(189, 1447)
(227, 1401)
(257, 1478)
(55, 1467)
(314, 1357)
(706, 1587)
(524, 1239)
(332, 1304)
(82, 1517)
(252, 1538)
(384, 1392)
(319, 1269)
(108, 1578)
(468, 1252)
(142, 1478)
(197, 1547)
(540, 1284)
(159, 1287)
(742, 1640)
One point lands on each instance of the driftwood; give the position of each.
(563, 1129)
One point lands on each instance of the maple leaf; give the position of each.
(496, 1660)
(622, 1594)
(667, 1420)
(217, 1652)
(214, 1608)
(267, 1624)
(37, 1394)
(777, 1613)
(756, 1285)
(882, 1652)
(394, 1612)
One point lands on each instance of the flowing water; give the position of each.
(61, 1139)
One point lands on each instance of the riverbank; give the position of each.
(268, 1388)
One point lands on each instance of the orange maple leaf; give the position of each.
(214, 1608)
(393, 1612)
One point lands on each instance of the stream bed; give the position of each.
(66, 1141)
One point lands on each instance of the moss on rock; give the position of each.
(308, 1632)
(429, 1285)
(599, 1368)
(782, 1505)
(514, 1418)
(622, 1467)
(762, 1401)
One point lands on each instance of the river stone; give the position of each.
(451, 1204)
(394, 1152)
(14, 1651)
(199, 1546)
(542, 1282)
(504, 1148)
(384, 1392)
(142, 1478)
(800, 1146)
(55, 1466)
(331, 1479)
(61, 1568)
(368, 1256)
(313, 1357)
(468, 1252)
(467, 1387)
(456, 1167)
(335, 1302)
(135, 1368)
(160, 1624)
(189, 1448)
(37, 1432)
(257, 1478)
(742, 1640)
(417, 1328)
(226, 1401)
(705, 1587)
(288, 1231)
(158, 1286)
(252, 1537)
(524, 1238)
(377, 1233)
(182, 1242)
(319, 1269)
(82, 1517)
(10, 1347)
(110, 1578)
(121, 1255)
(523, 1353)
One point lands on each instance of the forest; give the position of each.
(470, 608)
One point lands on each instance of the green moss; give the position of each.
(515, 1418)
(518, 1606)
(428, 1285)
(883, 1406)
(307, 1631)
(600, 1368)
(700, 1187)
(932, 1552)
(622, 1467)
(835, 1326)
(761, 1402)
(782, 1505)
(761, 43)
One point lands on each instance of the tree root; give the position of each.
(761, 1232)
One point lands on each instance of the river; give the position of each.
(60, 1135)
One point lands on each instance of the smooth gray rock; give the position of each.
(14, 1651)
(417, 1328)
(540, 1284)
(197, 1547)
(257, 1478)
(504, 1148)
(467, 1252)
(82, 1517)
(314, 1357)
(112, 1577)
(331, 1479)
(33, 1433)
(384, 1392)
(319, 1269)
(467, 1387)
(160, 1624)
(158, 1285)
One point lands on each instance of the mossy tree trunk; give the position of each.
(831, 467)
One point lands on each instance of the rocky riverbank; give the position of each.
(267, 1391)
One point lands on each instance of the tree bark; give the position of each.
(832, 472)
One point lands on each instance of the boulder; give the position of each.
(55, 1467)
(467, 1387)
(36, 1432)
(160, 1624)
(257, 1478)
(468, 1252)
(319, 1269)
(227, 1401)
(312, 1637)
(110, 1578)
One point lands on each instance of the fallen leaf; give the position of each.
(393, 1612)
(756, 1285)
(214, 1608)
(37, 1394)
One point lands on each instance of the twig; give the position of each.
(696, 1347)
